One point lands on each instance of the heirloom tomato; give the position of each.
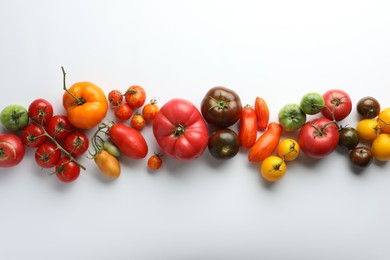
(123, 112)
(338, 104)
(384, 120)
(348, 137)
(115, 98)
(291, 117)
(266, 143)
(262, 113)
(380, 147)
(368, 129)
(288, 149)
(248, 127)
(223, 144)
(155, 162)
(135, 96)
(149, 111)
(368, 107)
(273, 168)
(180, 130)
(14, 117)
(312, 103)
(40, 111)
(11, 150)
(361, 156)
(138, 121)
(108, 164)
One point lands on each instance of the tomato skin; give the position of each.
(135, 96)
(47, 155)
(40, 111)
(76, 143)
(368, 129)
(247, 134)
(348, 137)
(33, 136)
(380, 147)
(123, 112)
(108, 164)
(129, 141)
(262, 113)
(11, 150)
(288, 149)
(339, 102)
(180, 130)
(266, 143)
(67, 170)
(318, 137)
(93, 108)
(59, 127)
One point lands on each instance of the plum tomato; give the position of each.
(368, 129)
(361, 156)
(135, 96)
(76, 143)
(291, 117)
(47, 155)
(348, 137)
(115, 98)
(384, 120)
(380, 147)
(108, 164)
(111, 148)
(123, 112)
(262, 113)
(288, 149)
(273, 168)
(223, 144)
(368, 107)
(11, 150)
(33, 135)
(14, 117)
(59, 127)
(150, 110)
(155, 162)
(40, 111)
(312, 103)
(338, 104)
(67, 170)
(247, 133)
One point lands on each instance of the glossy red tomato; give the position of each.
(135, 96)
(59, 127)
(248, 127)
(123, 112)
(338, 103)
(180, 130)
(67, 170)
(40, 111)
(47, 155)
(76, 143)
(115, 98)
(11, 150)
(33, 135)
(319, 137)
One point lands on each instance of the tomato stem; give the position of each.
(221, 103)
(78, 100)
(179, 130)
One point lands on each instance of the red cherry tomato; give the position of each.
(138, 122)
(123, 112)
(76, 143)
(40, 111)
(59, 127)
(33, 135)
(47, 155)
(155, 162)
(115, 98)
(67, 170)
(135, 96)
(150, 110)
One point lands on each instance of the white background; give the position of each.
(204, 209)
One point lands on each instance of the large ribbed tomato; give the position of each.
(180, 130)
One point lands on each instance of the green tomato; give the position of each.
(291, 117)
(312, 103)
(14, 117)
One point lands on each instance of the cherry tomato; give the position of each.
(138, 122)
(361, 156)
(67, 170)
(338, 103)
(273, 168)
(150, 110)
(135, 96)
(11, 150)
(108, 164)
(33, 135)
(40, 111)
(223, 144)
(115, 98)
(155, 162)
(368, 129)
(348, 137)
(266, 143)
(76, 143)
(262, 113)
(123, 112)
(248, 127)
(47, 155)
(380, 147)
(59, 127)
(368, 107)
(288, 149)
(384, 120)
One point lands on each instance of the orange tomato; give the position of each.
(273, 168)
(150, 110)
(248, 127)
(266, 143)
(288, 149)
(368, 129)
(262, 113)
(384, 120)
(380, 147)
(108, 164)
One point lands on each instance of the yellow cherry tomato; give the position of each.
(380, 147)
(273, 168)
(384, 120)
(368, 129)
(289, 149)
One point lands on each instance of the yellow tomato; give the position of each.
(108, 164)
(384, 120)
(273, 168)
(380, 147)
(368, 129)
(289, 149)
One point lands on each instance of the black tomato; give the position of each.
(368, 107)
(361, 156)
(348, 137)
(221, 107)
(223, 144)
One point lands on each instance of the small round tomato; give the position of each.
(312, 103)
(67, 170)
(155, 162)
(33, 135)
(380, 147)
(115, 98)
(223, 144)
(76, 143)
(368, 107)
(123, 112)
(384, 120)
(361, 156)
(47, 155)
(273, 168)
(291, 117)
(348, 137)
(138, 122)
(288, 149)
(11, 150)
(338, 104)
(40, 111)
(150, 110)
(368, 129)
(14, 117)
(135, 96)
(59, 127)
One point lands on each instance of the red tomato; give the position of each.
(33, 135)
(47, 155)
(138, 121)
(180, 130)
(59, 127)
(67, 170)
(262, 113)
(11, 150)
(135, 96)
(248, 127)
(266, 143)
(149, 111)
(338, 103)
(155, 162)
(123, 112)
(129, 141)
(319, 137)
(76, 143)
(40, 111)
(115, 98)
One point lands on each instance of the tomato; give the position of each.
(14, 117)
(312, 103)
(40, 111)
(273, 168)
(150, 110)
(76, 143)
(262, 113)
(348, 137)
(67, 170)
(108, 164)
(361, 156)
(380, 147)
(288, 149)
(223, 144)
(135, 96)
(180, 130)
(221, 107)
(266, 143)
(11, 150)
(129, 141)
(338, 104)
(368, 107)
(111, 148)
(33, 135)
(123, 112)
(248, 127)
(368, 129)
(319, 137)
(384, 120)
(85, 103)
(59, 127)
(138, 122)
(291, 117)
(115, 98)
(47, 155)
(155, 162)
